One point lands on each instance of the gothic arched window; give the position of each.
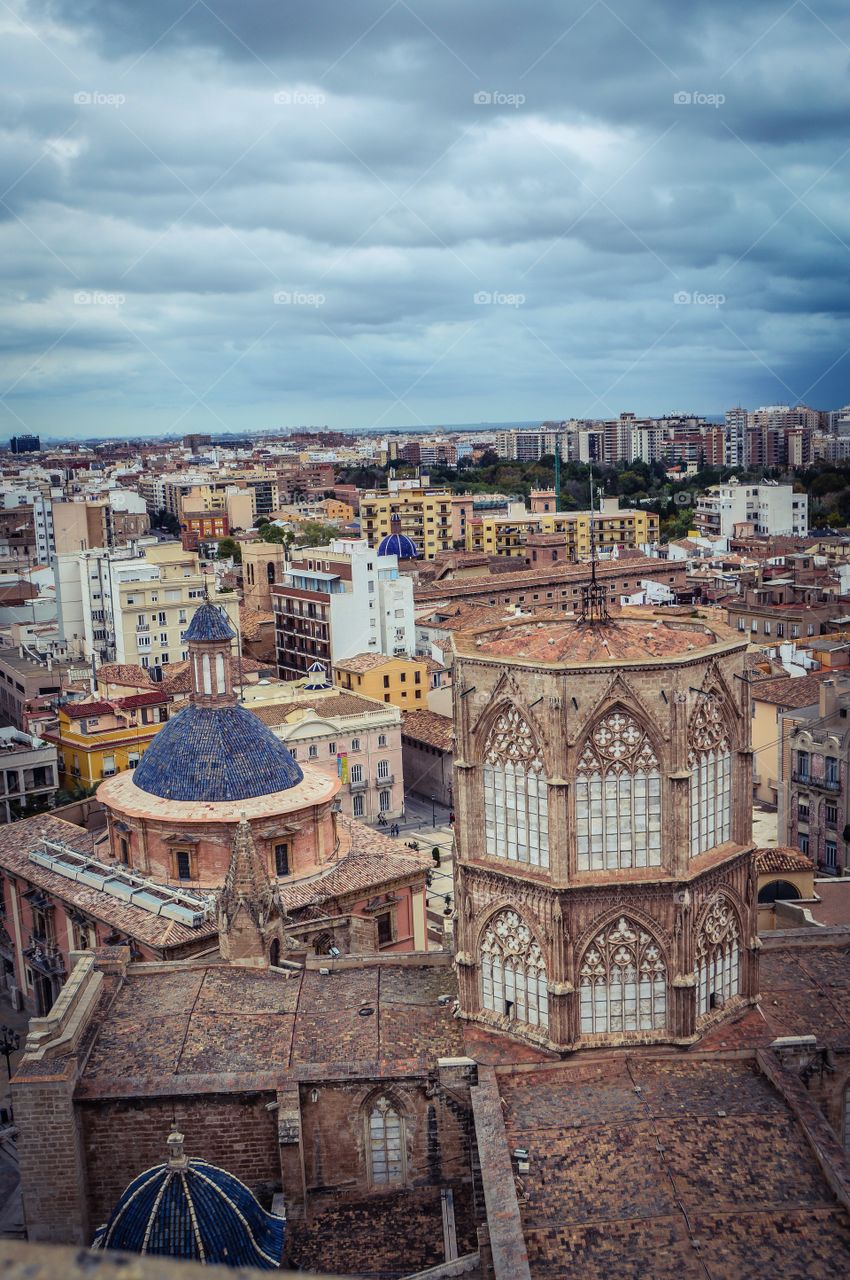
(618, 797)
(516, 818)
(718, 957)
(513, 972)
(385, 1143)
(623, 981)
(710, 762)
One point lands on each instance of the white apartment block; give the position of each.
(773, 509)
(127, 608)
(340, 600)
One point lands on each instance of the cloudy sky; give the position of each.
(243, 214)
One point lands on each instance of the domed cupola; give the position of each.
(191, 1209)
(214, 750)
(397, 543)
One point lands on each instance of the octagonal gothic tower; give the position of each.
(604, 883)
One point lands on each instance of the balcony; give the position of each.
(360, 785)
(821, 784)
(44, 955)
(385, 782)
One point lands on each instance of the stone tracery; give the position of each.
(618, 797)
(623, 981)
(513, 971)
(516, 815)
(717, 956)
(710, 762)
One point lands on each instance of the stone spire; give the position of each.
(250, 914)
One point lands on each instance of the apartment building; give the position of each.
(779, 609)
(339, 600)
(404, 682)
(131, 609)
(814, 785)
(28, 773)
(614, 527)
(771, 508)
(434, 519)
(99, 738)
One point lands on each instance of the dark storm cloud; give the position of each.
(381, 165)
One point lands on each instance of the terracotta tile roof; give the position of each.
(124, 673)
(363, 662)
(165, 1026)
(554, 575)
(346, 704)
(19, 839)
(373, 860)
(428, 726)
(781, 858)
(82, 710)
(790, 691)
(461, 617)
(252, 621)
(617, 1148)
(623, 638)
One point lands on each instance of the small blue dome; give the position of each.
(398, 544)
(209, 623)
(215, 754)
(190, 1209)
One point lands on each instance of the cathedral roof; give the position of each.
(215, 754)
(191, 1209)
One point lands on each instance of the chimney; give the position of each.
(828, 698)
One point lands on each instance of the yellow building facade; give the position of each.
(506, 535)
(400, 681)
(95, 740)
(426, 516)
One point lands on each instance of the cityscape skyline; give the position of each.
(376, 215)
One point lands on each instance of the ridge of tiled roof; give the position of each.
(428, 726)
(781, 858)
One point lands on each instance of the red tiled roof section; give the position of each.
(252, 621)
(428, 726)
(566, 574)
(82, 710)
(346, 704)
(781, 858)
(21, 838)
(124, 673)
(371, 862)
(621, 639)
(363, 662)
(791, 691)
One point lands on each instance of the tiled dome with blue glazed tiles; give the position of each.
(191, 1209)
(215, 754)
(208, 623)
(398, 544)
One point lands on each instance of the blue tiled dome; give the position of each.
(193, 1210)
(398, 544)
(209, 623)
(215, 754)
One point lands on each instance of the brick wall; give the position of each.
(122, 1139)
(51, 1160)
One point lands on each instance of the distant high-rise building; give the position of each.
(25, 444)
